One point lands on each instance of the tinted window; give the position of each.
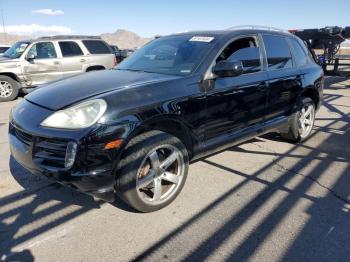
(96, 47)
(3, 49)
(244, 50)
(43, 50)
(299, 54)
(278, 52)
(70, 49)
(250, 58)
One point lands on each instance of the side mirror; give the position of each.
(228, 68)
(30, 57)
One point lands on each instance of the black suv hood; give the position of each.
(62, 93)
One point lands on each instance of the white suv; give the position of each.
(28, 64)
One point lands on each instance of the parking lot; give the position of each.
(264, 200)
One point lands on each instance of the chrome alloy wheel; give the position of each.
(160, 174)
(306, 119)
(6, 89)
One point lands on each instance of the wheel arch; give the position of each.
(313, 94)
(95, 67)
(11, 75)
(168, 124)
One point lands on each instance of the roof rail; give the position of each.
(257, 27)
(57, 37)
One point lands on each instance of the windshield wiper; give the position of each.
(143, 71)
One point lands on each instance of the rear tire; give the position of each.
(9, 88)
(152, 171)
(301, 122)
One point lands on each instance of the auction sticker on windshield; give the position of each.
(206, 39)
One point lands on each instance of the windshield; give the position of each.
(174, 55)
(16, 50)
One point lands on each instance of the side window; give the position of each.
(299, 54)
(277, 52)
(43, 50)
(97, 47)
(245, 50)
(70, 48)
(3, 49)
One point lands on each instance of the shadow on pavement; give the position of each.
(325, 235)
(327, 228)
(22, 213)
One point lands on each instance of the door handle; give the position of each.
(82, 60)
(56, 62)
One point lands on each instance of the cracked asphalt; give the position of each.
(264, 200)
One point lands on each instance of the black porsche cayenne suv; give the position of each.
(133, 130)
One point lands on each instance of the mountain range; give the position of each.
(122, 38)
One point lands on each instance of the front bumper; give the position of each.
(97, 180)
(27, 90)
(42, 151)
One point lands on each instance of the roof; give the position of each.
(60, 37)
(238, 30)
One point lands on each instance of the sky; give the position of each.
(156, 17)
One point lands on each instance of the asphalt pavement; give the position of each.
(264, 200)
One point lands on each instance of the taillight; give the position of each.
(115, 62)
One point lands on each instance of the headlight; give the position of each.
(79, 116)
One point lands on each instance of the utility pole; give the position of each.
(3, 20)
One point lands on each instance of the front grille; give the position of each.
(47, 153)
(23, 136)
(50, 153)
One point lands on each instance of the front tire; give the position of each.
(301, 122)
(9, 88)
(152, 171)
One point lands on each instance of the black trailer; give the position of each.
(328, 39)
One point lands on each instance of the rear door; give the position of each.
(44, 66)
(100, 54)
(284, 78)
(73, 59)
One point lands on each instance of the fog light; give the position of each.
(71, 153)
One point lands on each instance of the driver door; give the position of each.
(42, 64)
(236, 103)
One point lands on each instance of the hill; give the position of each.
(121, 38)
(125, 39)
(7, 39)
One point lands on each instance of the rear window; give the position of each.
(70, 48)
(300, 56)
(96, 47)
(277, 52)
